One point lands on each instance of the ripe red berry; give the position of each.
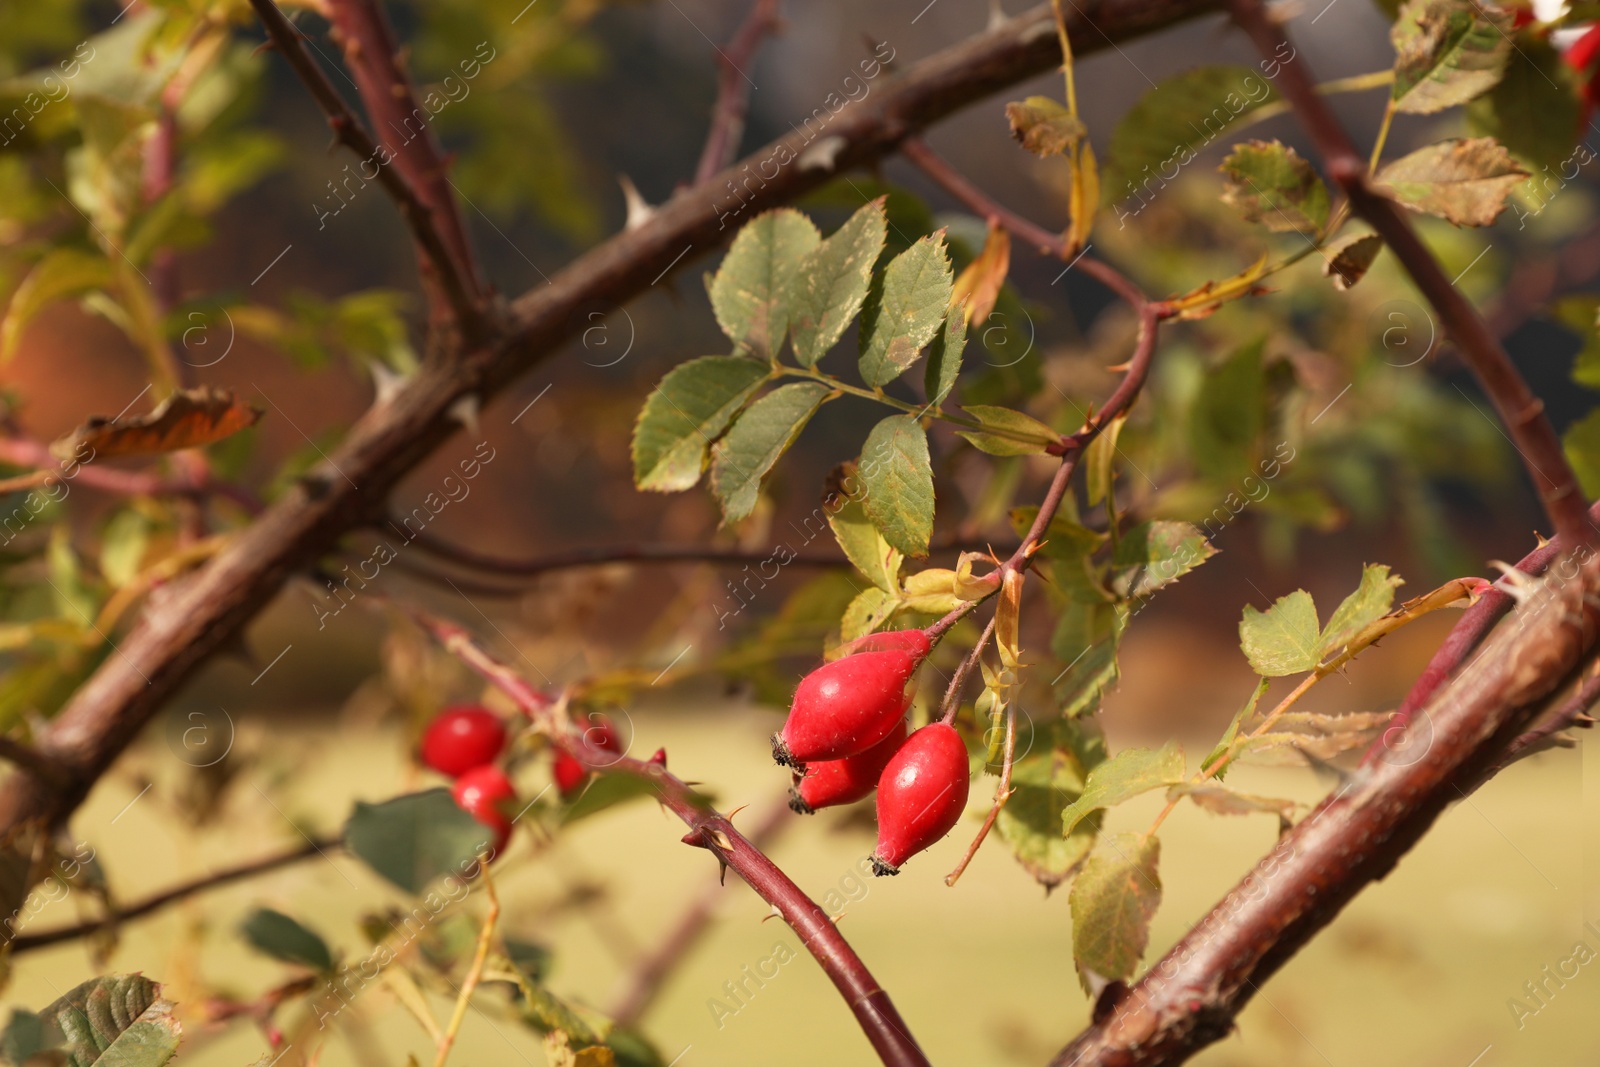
(827, 783)
(569, 772)
(845, 707)
(462, 738)
(920, 796)
(482, 792)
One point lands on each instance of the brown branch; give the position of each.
(716, 834)
(639, 987)
(733, 89)
(1519, 409)
(406, 174)
(30, 759)
(44, 938)
(206, 613)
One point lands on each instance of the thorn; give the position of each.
(773, 914)
(824, 154)
(639, 211)
(735, 811)
(386, 383)
(722, 840)
(465, 411)
(1119, 368)
(660, 758)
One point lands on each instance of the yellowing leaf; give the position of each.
(189, 418)
(1463, 181)
(1270, 183)
(978, 286)
(1043, 126)
(1284, 639)
(1112, 900)
(1447, 52)
(1349, 257)
(1130, 773)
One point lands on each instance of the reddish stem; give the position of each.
(733, 89)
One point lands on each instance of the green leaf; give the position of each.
(898, 474)
(1228, 416)
(1348, 258)
(1130, 773)
(1112, 901)
(1153, 555)
(285, 939)
(1372, 599)
(113, 1021)
(1176, 119)
(1232, 731)
(1579, 314)
(1446, 53)
(905, 312)
(1086, 639)
(685, 414)
(1283, 639)
(1581, 443)
(1463, 181)
(1100, 463)
(1007, 432)
(868, 611)
(1043, 126)
(415, 839)
(1270, 183)
(1535, 110)
(606, 791)
(760, 435)
(122, 546)
(944, 357)
(749, 291)
(63, 272)
(1045, 781)
(863, 545)
(24, 1036)
(831, 283)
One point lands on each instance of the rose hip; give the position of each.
(828, 783)
(483, 792)
(845, 707)
(920, 796)
(461, 738)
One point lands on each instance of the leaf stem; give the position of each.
(1001, 795)
(475, 973)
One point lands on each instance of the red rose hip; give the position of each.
(462, 738)
(569, 772)
(920, 796)
(845, 707)
(483, 793)
(827, 783)
(913, 641)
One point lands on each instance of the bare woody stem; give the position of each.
(716, 834)
(27, 941)
(1519, 409)
(733, 89)
(412, 175)
(639, 987)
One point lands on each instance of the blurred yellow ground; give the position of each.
(1418, 971)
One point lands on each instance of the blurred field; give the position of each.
(1418, 971)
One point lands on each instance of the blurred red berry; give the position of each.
(568, 771)
(462, 738)
(483, 792)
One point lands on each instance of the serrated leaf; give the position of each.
(898, 474)
(749, 292)
(863, 545)
(1085, 640)
(1284, 639)
(1535, 109)
(1371, 601)
(113, 1021)
(1045, 780)
(1153, 555)
(1446, 53)
(414, 839)
(1130, 773)
(944, 356)
(1221, 800)
(286, 939)
(1270, 183)
(760, 435)
(831, 283)
(1113, 899)
(63, 272)
(1463, 181)
(1173, 121)
(1043, 126)
(1348, 258)
(1226, 742)
(1008, 433)
(685, 413)
(905, 310)
(1100, 461)
(869, 610)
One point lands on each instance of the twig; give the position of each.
(1520, 410)
(733, 89)
(474, 973)
(206, 613)
(638, 989)
(958, 681)
(434, 224)
(25, 942)
(1001, 795)
(714, 832)
(24, 452)
(1574, 712)
(32, 760)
